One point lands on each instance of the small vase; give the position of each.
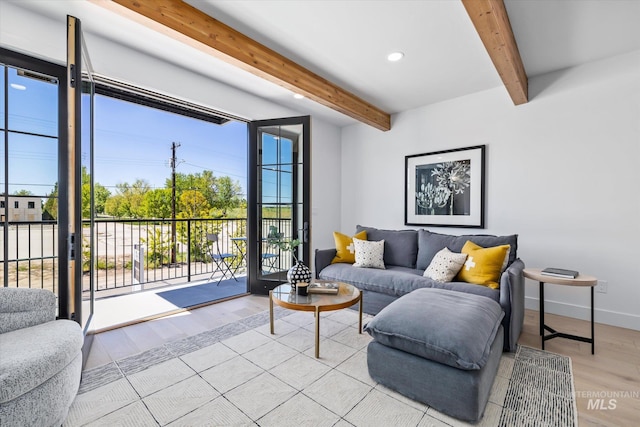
(298, 273)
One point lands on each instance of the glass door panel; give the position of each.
(30, 96)
(279, 202)
(87, 283)
(33, 102)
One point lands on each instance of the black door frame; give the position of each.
(256, 285)
(19, 60)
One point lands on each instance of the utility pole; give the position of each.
(174, 145)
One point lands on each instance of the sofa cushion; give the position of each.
(345, 251)
(22, 307)
(429, 244)
(445, 265)
(30, 356)
(452, 328)
(400, 246)
(369, 254)
(483, 265)
(397, 281)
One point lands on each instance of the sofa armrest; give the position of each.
(512, 302)
(22, 308)
(323, 259)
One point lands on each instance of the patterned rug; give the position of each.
(241, 375)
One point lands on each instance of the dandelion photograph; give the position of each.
(445, 188)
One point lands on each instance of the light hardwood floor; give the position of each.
(612, 373)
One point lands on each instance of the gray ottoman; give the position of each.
(438, 347)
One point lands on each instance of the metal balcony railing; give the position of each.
(127, 252)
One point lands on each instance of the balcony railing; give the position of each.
(31, 253)
(128, 252)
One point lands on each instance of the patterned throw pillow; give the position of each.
(445, 265)
(345, 250)
(483, 265)
(369, 254)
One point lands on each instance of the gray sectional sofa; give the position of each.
(407, 253)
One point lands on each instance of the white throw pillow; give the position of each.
(369, 254)
(445, 265)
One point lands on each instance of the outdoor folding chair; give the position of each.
(221, 260)
(269, 259)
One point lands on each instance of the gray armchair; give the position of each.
(40, 359)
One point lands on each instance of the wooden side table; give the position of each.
(581, 280)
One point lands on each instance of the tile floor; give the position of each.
(250, 377)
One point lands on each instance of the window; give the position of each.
(31, 205)
(16, 205)
(2, 204)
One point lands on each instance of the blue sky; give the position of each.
(134, 142)
(131, 142)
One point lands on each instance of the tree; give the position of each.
(50, 209)
(157, 203)
(23, 193)
(114, 206)
(204, 182)
(100, 195)
(128, 201)
(192, 204)
(228, 194)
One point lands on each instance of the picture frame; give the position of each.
(445, 188)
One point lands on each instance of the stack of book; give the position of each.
(324, 288)
(560, 272)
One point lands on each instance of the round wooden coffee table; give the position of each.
(284, 296)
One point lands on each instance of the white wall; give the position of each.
(326, 184)
(43, 37)
(562, 172)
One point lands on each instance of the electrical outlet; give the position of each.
(602, 286)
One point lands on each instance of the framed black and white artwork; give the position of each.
(445, 188)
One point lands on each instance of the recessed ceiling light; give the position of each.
(18, 87)
(395, 56)
(298, 96)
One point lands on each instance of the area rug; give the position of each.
(241, 375)
(193, 295)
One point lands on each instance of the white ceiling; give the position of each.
(347, 42)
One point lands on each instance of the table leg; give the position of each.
(238, 245)
(317, 313)
(271, 311)
(360, 313)
(542, 312)
(593, 337)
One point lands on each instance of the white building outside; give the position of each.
(21, 208)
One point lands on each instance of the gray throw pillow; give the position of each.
(400, 246)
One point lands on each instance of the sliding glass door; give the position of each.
(279, 198)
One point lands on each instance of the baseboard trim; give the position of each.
(607, 317)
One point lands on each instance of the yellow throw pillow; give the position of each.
(483, 265)
(345, 251)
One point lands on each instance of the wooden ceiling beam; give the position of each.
(492, 24)
(183, 22)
